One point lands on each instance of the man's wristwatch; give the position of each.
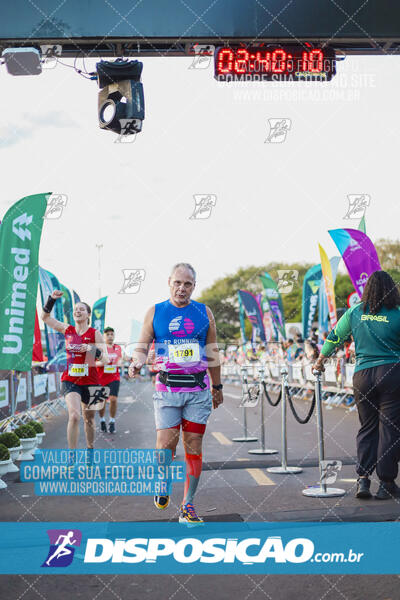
(218, 387)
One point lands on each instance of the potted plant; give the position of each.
(11, 441)
(27, 437)
(4, 463)
(38, 427)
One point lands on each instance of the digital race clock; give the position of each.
(274, 63)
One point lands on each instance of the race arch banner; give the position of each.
(20, 234)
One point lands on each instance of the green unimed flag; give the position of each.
(19, 249)
(67, 305)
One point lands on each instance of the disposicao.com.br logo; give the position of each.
(190, 550)
(216, 548)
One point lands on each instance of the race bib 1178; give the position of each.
(81, 370)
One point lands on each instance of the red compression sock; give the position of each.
(193, 472)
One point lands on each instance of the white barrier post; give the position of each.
(284, 469)
(245, 438)
(263, 449)
(29, 389)
(12, 391)
(321, 491)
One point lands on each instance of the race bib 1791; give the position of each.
(182, 353)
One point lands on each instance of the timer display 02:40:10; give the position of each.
(243, 61)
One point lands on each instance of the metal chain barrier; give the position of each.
(321, 491)
(268, 396)
(336, 381)
(295, 414)
(261, 385)
(284, 468)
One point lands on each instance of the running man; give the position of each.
(82, 344)
(186, 346)
(109, 375)
(62, 549)
(151, 361)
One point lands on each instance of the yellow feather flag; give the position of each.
(329, 285)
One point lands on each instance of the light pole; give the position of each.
(99, 247)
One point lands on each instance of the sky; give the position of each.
(273, 201)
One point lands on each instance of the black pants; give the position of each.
(377, 395)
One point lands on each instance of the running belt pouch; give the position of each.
(189, 380)
(48, 307)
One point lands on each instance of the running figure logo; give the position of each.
(50, 54)
(330, 470)
(203, 204)
(98, 395)
(128, 131)
(62, 542)
(287, 278)
(55, 206)
(357, 205)
(278, 129)
(132, 280)
(203, 54)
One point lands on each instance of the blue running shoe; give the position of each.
(188, 515)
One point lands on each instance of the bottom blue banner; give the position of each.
(214, 548)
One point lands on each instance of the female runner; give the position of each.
(83, 344)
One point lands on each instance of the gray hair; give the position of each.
(184, 266)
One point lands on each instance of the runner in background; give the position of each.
(83, 343)
(109, 375)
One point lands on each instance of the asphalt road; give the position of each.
(235, 486)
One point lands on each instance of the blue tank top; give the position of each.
(180, 338)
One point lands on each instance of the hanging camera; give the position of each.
(121, 97)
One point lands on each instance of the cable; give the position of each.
(79, 71)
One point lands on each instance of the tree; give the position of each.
(389, 253)
(221, 297)
(343, 287)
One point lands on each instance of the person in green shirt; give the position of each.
(374, 324)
